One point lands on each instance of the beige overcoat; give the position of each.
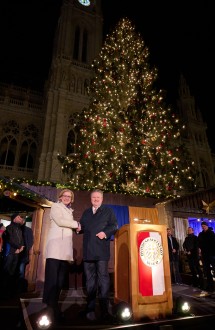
(59, 243)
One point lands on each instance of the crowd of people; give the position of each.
(200, 253)
(16, 242)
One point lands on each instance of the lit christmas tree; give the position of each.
(129, 141)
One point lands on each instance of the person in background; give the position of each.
(13, 247)
(2, 229)
(24, 256)
(191, 250)
(59, 251)
(173, 248)
(206, 242)
(98, 224)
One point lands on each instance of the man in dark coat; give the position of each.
(206, 242)
(98, 224)
(191, 250)
(28, 242)
(28, 238)
(173, 248)
(13, 247)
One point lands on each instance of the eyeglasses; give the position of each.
(66, 196)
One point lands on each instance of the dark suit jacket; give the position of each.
(175, 245)
(104, 220)
(28, 242)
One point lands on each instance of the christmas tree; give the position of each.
(129, 141)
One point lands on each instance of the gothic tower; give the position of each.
(77, 41)
(195, 136)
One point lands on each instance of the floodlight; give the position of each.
(122, 312)
(182, 307)
(185, 307)
(44, 320)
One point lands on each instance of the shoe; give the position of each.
(60, 318)
(82, 314)
(107, 318)
(55, 314)
(201, 287)
(91, 316)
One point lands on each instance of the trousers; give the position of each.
(55, 276)
(97, 281)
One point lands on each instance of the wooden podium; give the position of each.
(142, 273)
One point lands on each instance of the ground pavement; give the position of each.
(22, 313)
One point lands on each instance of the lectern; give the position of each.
(142, 273)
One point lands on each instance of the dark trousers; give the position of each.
(208, 265)
(56, 272)
(97, 279)
(197, 274)
(10, 276)
(174, 270)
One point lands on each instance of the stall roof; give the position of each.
(16, 197)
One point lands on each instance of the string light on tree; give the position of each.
(129, 139)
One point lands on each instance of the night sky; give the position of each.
(180, 35)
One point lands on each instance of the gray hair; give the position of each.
(97, 190)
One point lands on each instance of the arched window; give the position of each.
(8, 144)
(84, 46)
(7, 158)
(28, 152)
(26, 161)
(76, 43)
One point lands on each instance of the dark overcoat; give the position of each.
(104, 220)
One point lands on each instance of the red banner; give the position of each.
(150, 263)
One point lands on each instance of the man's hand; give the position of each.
(101, 235)
(19, 250)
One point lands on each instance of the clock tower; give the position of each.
(77, 42)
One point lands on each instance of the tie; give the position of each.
(94, 210)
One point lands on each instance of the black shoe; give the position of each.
(82, 314)
(201, 287)
(107, 318)
(60, 317)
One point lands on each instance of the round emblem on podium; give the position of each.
(151, 251)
